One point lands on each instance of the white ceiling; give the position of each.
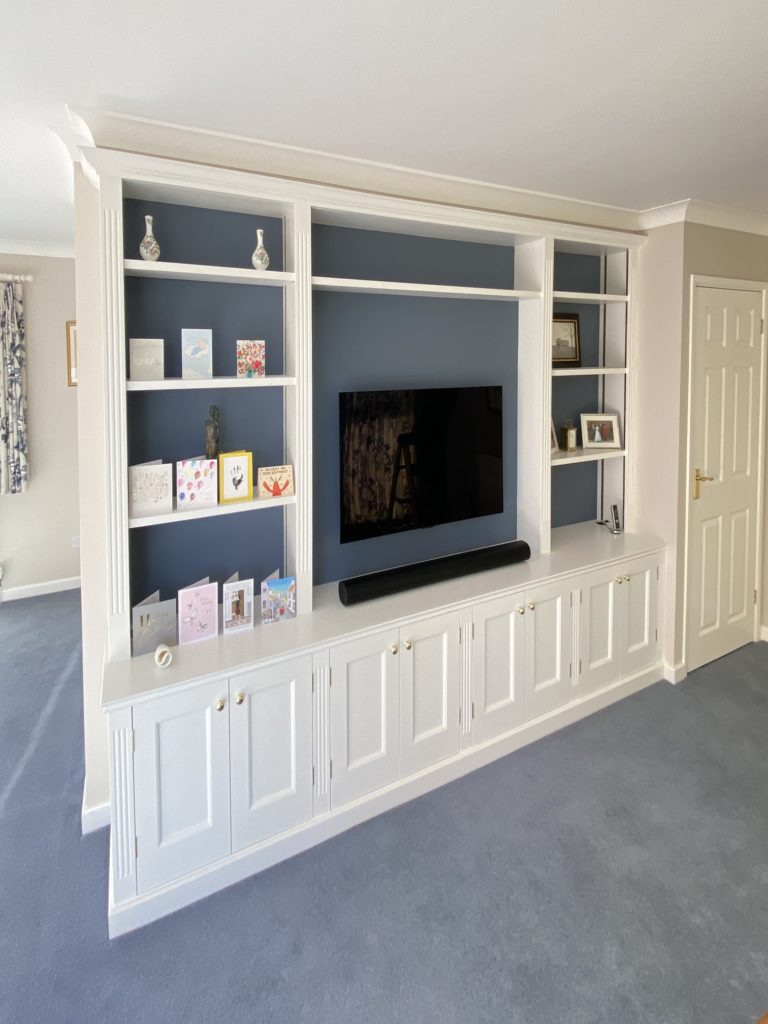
(630, 104)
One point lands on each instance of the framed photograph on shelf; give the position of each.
(554, 447)
(72, 353)
(235, 477)
(566, 348)
(600, 430)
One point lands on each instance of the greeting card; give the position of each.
(237, 605)
(154, 622)
(196, 354)
(278, 598)
(146, 358)
(150, 489)
(196, 483)
(198, 612)
(275, 481)
(235, 476)
(251, 358)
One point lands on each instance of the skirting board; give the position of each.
(764, 634)
(675, 673)
(150, 906)
(94, 818)
(38, 589)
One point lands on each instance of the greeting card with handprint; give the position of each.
(275, 481)
(235, 476)
(198, 612)
(251, 361)
(196, 484)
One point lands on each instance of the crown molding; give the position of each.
(18, 247)
(697, 211)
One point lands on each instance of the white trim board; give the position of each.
(93, 818)
(19, 247)
(39, 589)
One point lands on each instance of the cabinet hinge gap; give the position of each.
(313, 775)
(754, 596)
(473, 631)
(459, 716)
(473, 711)
(330, 769)
(136, 846)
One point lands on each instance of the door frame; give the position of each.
(732, 284)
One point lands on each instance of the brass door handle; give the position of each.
(699, 478)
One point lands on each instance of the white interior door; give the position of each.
(271, 743)
(181, 772)
(725, 445)
(430, 671)
(498, 656)
(365, 716)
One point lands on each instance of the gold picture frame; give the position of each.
(72, 353)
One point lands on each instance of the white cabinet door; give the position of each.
(498, 666)
(271, 742)
(548, 649)
(430, 674)
(181, 778)
(365, 716)
(639, 644)
(600, 621)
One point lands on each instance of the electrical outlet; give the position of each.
(75, 542)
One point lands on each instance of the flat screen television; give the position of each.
(419, 458)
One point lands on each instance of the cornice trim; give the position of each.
(18, 247)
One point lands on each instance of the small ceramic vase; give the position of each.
(260, 258)
(149, 248)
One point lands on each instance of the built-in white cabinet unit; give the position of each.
(181, 793)
(364, 716)
(271, 750)
(548, 649)
(498, 666)
(618, 634)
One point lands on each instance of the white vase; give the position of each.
(260, 258)
(149, 248)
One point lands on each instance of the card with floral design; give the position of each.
(251, 358)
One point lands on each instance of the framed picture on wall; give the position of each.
(566, 348)
(600, 430)
(72, 353)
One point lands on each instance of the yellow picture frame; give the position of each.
(235, 477)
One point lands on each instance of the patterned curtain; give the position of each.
(13, 392)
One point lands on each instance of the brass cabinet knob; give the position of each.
(619, 579)
(520, 610)
(408, 645)
(532, 606)
(220, 704)
(626, 579)
(239, 698)
(393, 648)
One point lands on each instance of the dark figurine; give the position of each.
(212, 433)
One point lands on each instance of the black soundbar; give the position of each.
(419, 574)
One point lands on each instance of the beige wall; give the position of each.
(715, 252)
(37, 526)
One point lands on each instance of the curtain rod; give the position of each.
(16, 278)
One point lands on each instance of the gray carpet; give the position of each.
(614, 873)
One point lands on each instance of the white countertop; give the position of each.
(575, 549)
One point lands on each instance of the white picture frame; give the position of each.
(600, 430)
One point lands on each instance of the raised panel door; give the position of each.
(364, 716)
(271, 750)
(639, 634)
(599, 629)
(430, 670)
(181, 777)
(548, 649)
(498, 666)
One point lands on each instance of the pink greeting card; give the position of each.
(251, 360)
(196, 484)
(198, 612)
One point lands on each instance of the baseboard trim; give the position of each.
(764, 634)
(142, 910)
(39, 589)
(675, 673)
(93, 818)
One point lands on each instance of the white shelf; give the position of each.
(585, 297)
(199, 272)
(177, 384)
(206, 513)
(586, 455)
(437, 291)
(590, 371)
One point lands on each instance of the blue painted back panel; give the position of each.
(366, 342)
(383, 256)
(190, 234)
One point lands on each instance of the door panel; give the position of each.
(726, 374)
(599, 625)
(181, 771)
(498, 663)
(430, 670)
(271, 742)
(640, 621)
(548, 653)
(365, 716)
